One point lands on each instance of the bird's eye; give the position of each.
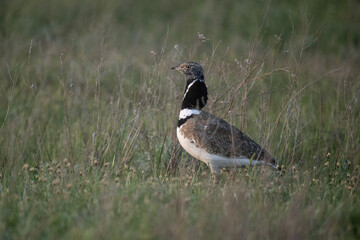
(188, 66)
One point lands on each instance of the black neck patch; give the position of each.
(196, 95)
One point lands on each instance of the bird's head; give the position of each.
(191, 70)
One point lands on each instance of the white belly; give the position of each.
(216, 162)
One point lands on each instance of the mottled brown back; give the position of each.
(217, 136)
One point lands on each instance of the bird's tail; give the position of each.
(274, 164)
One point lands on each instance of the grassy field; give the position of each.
(88, 111)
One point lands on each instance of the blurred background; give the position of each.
(87, 100)
(150, 24)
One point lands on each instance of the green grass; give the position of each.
(88, 109)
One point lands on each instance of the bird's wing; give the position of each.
(217, 136)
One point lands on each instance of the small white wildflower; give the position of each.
(153, 52)
(239, 64)
(247, 61)
(176, 47)
(202, 37)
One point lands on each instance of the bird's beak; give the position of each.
(176, 68)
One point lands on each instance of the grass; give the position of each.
(88, 110)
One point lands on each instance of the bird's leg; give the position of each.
(216, 179)
(215, 172)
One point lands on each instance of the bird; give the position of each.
(208, 138)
